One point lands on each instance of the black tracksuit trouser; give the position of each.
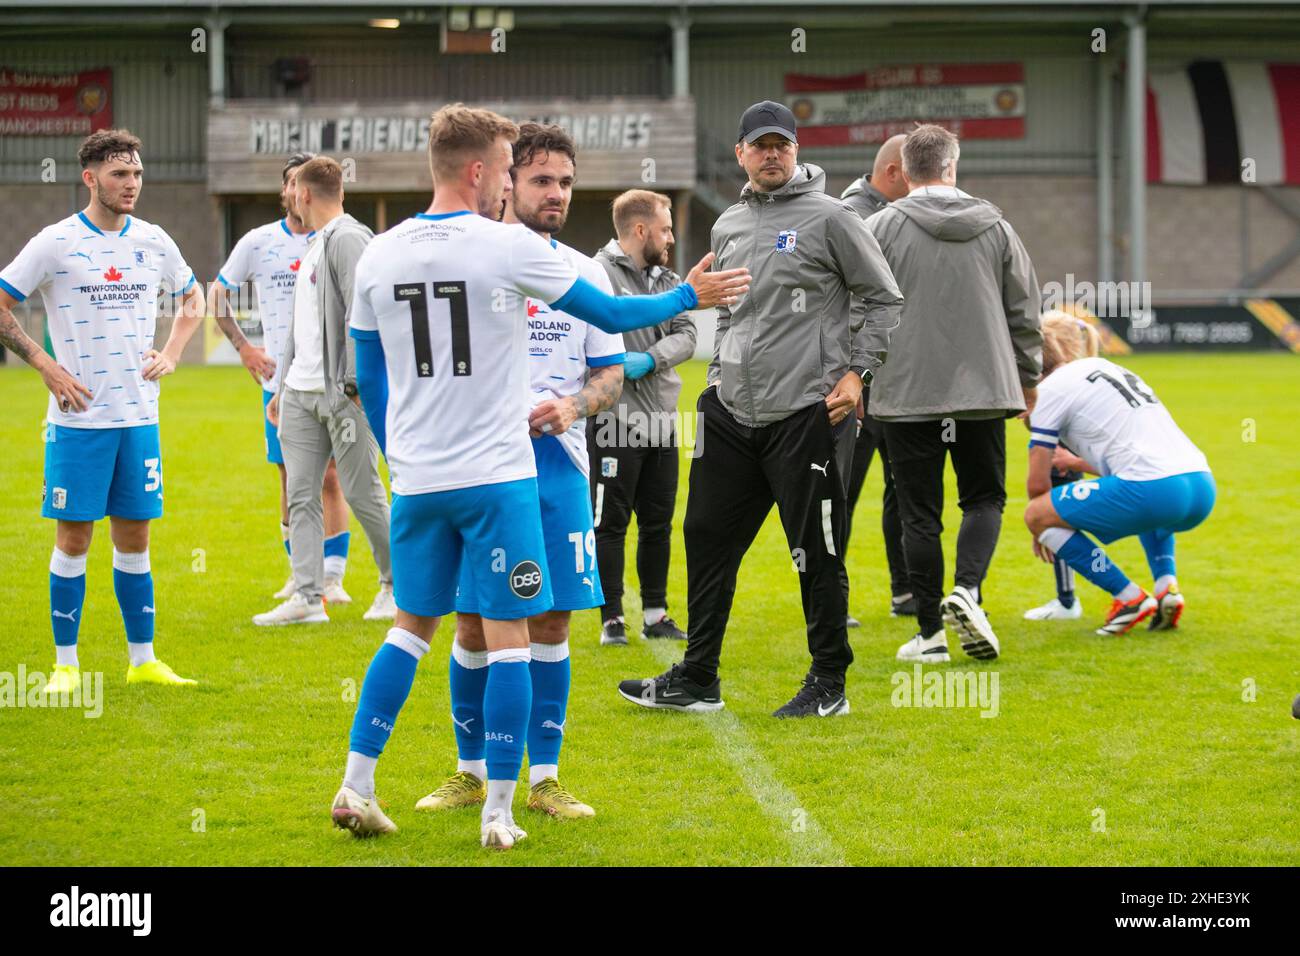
(801, 464)
(627, 480)
(871, 441)
(917, 451)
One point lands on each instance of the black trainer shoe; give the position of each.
(817, 698)
(673, 690)
(665, 628)
(905, 608)
(613, 631)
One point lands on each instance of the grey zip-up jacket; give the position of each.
(668, 343)
(345, 239)
(794, 335)
(865, 198)
(970, 336)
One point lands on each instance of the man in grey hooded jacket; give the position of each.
(968, 356)
(777, 418)
(633, 446)
(317, 410)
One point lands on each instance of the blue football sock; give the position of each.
(133, 585)
(284, 533)
(388, 682)
(468, 676)
(549, 670)
(1159, 546)
(67, 595)
(1080, 553)
(507, 701)
(336, 554)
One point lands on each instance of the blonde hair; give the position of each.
(458, 133)
(637, 205)
(1067, 337)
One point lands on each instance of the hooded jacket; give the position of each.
(344, 240)
(670, 343)
(970, 338)
(865, 198)
(794, 335)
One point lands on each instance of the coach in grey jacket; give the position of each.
(967, 356)
(318, 412)
(633, 447)
(777, 419)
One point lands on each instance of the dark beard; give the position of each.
(658, 257)
(536, 224)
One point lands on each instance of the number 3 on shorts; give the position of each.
(153, 479)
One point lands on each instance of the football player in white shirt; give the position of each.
(269, 256)
(563, 350)
(1153, 481)
(100, 274)
(439, 317)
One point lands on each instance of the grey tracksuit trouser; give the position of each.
(310, 432)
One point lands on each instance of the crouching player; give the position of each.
(1066, 467)
(561, 350)
(1153, 481)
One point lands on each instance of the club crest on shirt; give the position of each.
(609, 468)
(785, 240)
(142, 257)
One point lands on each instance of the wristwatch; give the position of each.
(862, 373)
(350, 389)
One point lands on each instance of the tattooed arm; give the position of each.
(260, 365)
(603, 388)
(67, 391)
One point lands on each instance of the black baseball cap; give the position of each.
(767, 117)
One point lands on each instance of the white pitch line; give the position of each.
(809, 844)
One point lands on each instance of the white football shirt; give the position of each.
(445, 293)
(101, 301)
(561, 348)
(1113, 421)
(268, 256)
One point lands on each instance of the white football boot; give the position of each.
(383, 608)
(334, 593)
(296, 610)
(500, 832)
(1054, 610)
(351, 811)
(287, 590)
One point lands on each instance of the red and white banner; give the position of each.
(974, 100)
(1223, 121)
(55, 104)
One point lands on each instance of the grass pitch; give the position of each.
(1175, 749)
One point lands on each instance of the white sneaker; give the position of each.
(500, 832)
(1054, 610)
(296, 610)
(383, 608)
(351, 811)
(962, 611)
(334, 593)
(286, 591)
(931, 650)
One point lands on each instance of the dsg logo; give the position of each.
(526, 580)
